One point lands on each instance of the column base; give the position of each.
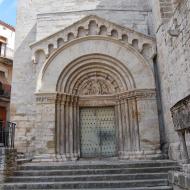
(54, 158)
(180, 179)
(141, 155)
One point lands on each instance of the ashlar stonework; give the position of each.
(131, 56)
(87, 73)
(104, 65)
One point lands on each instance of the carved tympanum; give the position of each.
(96, 87)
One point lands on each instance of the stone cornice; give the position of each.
(139, 94)
(54, 97)
(85, 21)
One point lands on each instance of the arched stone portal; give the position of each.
(96, 81)
(97, 73)
(112, 75)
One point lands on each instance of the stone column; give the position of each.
(62, 131)
(126, 112)
(67, 127)
(76, 130)
(125, 131)
(60, 127)
(134, 126)
(185, 156)
(120, 129)
(58, 108)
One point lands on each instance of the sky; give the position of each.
(8, 11)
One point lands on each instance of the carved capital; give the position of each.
(181, 115)
(46, 98)
(138, 93)
(66, 98)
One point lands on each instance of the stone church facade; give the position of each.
(97, 79)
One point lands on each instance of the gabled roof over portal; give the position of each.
(93, 26)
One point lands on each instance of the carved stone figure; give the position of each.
(95, 87)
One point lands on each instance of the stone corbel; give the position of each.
(174, 30)
(181, 119)
(175, 3)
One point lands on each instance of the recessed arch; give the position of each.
(95, 63)
(100, 71)
(60, 42)
(123, 53)
(39, 56)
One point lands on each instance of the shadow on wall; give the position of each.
(136, 14)
(125, 4)
(76, 5)
(19, 107)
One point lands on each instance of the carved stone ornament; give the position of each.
(93, 26)
(181, 115)
(46, 98)
(96, 87)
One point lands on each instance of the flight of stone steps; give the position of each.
(112, 175)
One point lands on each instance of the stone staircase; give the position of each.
(112, 175)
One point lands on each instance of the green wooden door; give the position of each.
(98, 132)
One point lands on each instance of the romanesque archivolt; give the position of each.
(94, 26)
(95, 74)
(97, 63)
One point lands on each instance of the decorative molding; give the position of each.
(56, 98)
(93, 26)
(181, 115)
(97, 87)
(46, 98)
(138, 94)
(95, 72)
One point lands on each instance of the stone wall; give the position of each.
(7, 163)
(37, 19)
(180, 180)
(173, 42)
(134, 14)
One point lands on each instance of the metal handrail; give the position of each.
(7, 134)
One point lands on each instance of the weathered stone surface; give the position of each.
(173, 64)
(179, 180)
(49, 78)
(93, 62)
(7, 163)
(181, 115)
(112, 175)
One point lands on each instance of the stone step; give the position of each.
(23, 160)
(111, 177)
(96, 165)
(138, 188)
(92, 171)
(89, 184)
